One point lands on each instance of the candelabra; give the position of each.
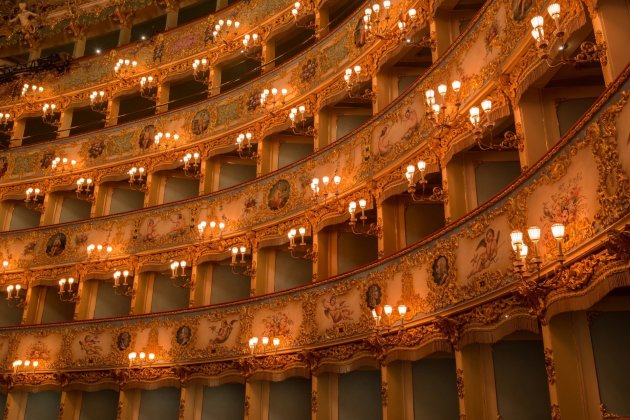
(376, 21)
(192, 164)
(384, 319)
(408, 30)
(166, 139)
(34, 199)
(98, 102)
(303, 16)
(363, 228)
(122, 286)
(521, 250)
(23, 366)
(354, 80)
(479, 126)
(442, 115)
(51, 115)
(243, 265)
(14, 296)
(225, 30)
(324, 189)
(274, 98)
(99, 251)
(125, 68)
(137, 178)
(61, 164)
(179, 276)
(260, 347)
(589, 52)
(140, 359)
(245, 148)
(207, 230)
(85, 189)
(201, 70)
(299, 124)
(33, 91)
(251, 46)
(67, 291)
(410, 174)
(6, 122)
(302, 249)
(148, 87)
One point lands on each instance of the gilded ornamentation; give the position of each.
(549, 366)
(460, 383)
(384, 397)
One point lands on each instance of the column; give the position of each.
(479, 391)
(194, 270)
(65, 123)
(16, 405)
(171, 17)
(454, 182)
(221, 4)
(70, 405)
(113, 107)
(214, 87)
(528, 114)
(161, 103)
(268, 55)
(256, 400)
(262, 262)
(569, 353)
(397, 378)
(611, 18)
(141, 283)
(327, 387)
(129, 404)
(322, 123)
(392, 214)
(79, 47)
(322, 19)
(124, 36)
(382, 86)
(151, 197)
(34, 54)
(440, 25)
(17, 132)
(203, 178)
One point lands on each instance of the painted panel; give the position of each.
(290, 399)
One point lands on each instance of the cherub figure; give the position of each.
(337, 311)
(24, 16)
(223, 332)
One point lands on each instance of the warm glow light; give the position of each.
(534, 233)
(557, 230)
(517, 237)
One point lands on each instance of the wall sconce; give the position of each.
(85, 189)
(302, 249)
(204, 228)
(408, 31)
(98, 102)
(324, 188)
(6, 122)
(244, 146)
(251, 46)
(138, 360)
(375, 21)
(24, 366)
(51, 115)
(521, 249)
(297, 116)
(372, 229)
(138, 178)
(243, 265)
(261, 346)
(67, 291)
(123, 288)
(589, 52)
(300, 14)
(225, 30)
(167, 139)
(61, 164)
(148, 87)
(33, 91)
(510, 139)
(125, 68)
(178, 274)
(354, 80)
(192, 164)
(274, 98)
(14, 296)
(384, 319)
(201, 70)
(35, 199)
(99, 251)
(439, 114)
